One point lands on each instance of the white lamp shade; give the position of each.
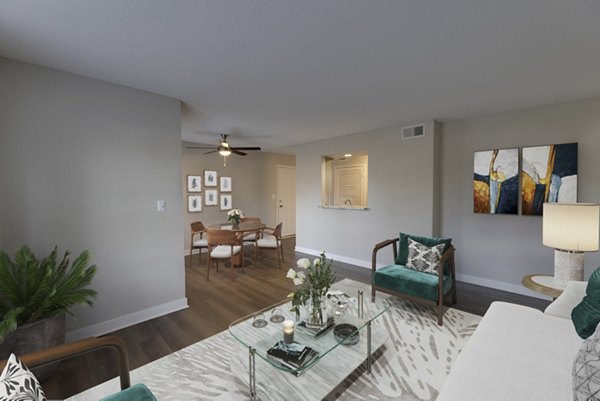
(571, 227)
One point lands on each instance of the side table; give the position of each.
(542, 283)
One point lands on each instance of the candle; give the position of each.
(288, 331)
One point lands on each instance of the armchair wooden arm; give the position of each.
(77, 348)
(381, 245)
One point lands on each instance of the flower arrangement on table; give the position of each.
(234, 216)
(312, 286)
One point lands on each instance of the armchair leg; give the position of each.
(454, 301)
(208, 264)
(440, 312)
(372, 294)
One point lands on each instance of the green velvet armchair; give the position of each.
(413, 285)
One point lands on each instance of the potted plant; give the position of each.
(234, 216)
(36, 294)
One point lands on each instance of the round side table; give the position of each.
(542, 283)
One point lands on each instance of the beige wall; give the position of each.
(497, 250)
(401, 194)
(254, 183)
(82, 164)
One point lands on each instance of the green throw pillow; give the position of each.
(427, 241)
(586, 315)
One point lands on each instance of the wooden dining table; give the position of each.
(242, 228)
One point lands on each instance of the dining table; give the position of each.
(242, 228)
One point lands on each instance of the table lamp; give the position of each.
(570, 229)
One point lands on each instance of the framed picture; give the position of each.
(210, 178)
(225, 202)
(496, 181)
(548, 174)
(194, 183)
(225, 184)
(194, 203)
(210, 197)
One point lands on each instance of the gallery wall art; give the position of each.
(496, 181)
(548, 174)
(210, 178)
(226, 202)
(210, 197)
(194, 183)
(194, 203)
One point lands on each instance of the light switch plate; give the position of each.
(161, 206)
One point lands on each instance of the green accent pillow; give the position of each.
(427, 241)
(586, 315)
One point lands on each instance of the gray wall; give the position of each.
(254, 184)
(401, 194)
(497, 250)
(82, 164)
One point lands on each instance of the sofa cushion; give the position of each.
(400, 279)
(424, 258)
(586, 315)
(571, 296)
(18, 383)
(428, 241)
(586, 369)
(138, 392)
(517, 353)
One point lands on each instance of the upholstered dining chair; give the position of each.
(223, 244)
(251, 237)
(270, 239)
(198, 241)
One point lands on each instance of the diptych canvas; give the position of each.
(496, 181)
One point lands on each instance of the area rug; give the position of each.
(411, 366)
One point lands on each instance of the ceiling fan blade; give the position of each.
(212, 151)
(247, 148)
(237, 152)
(199, 147)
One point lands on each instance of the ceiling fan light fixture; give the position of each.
(224, 152)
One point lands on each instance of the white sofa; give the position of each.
(519, 353)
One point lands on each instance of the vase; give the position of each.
(316, 313)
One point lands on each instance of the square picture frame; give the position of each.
(194, 183)
(211, 197)
(210, 178)
(194, 203)
(225, 184)
(226, 201)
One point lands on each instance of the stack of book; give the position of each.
(292, 356)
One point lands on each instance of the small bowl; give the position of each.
(346, 334)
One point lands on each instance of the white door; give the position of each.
(286, 199)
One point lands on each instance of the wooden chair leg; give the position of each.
(208, 267)
(440, 312)
(278, 257)
(255, 253)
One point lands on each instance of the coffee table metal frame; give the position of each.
(374, 310)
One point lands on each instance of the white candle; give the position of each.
(288, 331)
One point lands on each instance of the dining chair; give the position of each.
(197, 240)
(270, 239)
(251, 237)
(223, 244)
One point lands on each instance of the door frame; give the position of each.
(277, 167)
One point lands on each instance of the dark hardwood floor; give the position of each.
(215, 304)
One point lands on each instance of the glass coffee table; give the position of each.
(259, 332)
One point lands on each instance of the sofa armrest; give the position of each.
(570, 298)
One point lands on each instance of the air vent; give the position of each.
(414, 131)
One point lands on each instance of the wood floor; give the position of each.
(215, 304)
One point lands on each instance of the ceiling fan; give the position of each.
(225, 149)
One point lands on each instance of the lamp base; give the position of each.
(568, 266)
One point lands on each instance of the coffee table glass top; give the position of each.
(261, 339)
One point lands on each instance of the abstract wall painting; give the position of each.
(194, 203)
(548, 174)
(496, 181)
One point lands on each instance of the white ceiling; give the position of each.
(282, 72)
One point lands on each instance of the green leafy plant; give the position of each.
(32, 290)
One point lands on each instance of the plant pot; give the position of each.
(36, 336)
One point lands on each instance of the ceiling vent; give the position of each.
(414, 131)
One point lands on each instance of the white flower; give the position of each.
(298, 280)
(304, 263)
(317, 262)
(301, 275)
(291, 273)
(290, 295)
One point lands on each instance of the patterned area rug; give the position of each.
(411, 366)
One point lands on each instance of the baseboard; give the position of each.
(108, 326)
(465, 278)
